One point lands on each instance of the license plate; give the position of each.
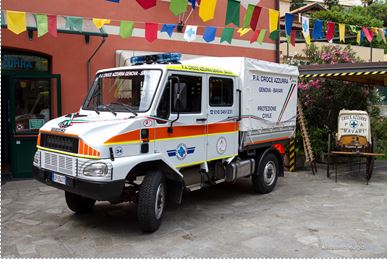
(58, 178)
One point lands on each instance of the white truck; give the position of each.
(150, 131)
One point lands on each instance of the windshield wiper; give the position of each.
(126, 107)
(97, 111)
(107, 107)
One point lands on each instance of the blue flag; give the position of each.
(193, 3)
(115, 1)
(288, 23)
(209, 34)
(361, 36)
(317, 29)
(168, 28)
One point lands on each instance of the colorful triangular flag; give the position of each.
(367, 34)
(74, 23)
(146, 4)
(227, 35)
(168, 28)
(261, 36)
(193, 3)
(207, 9)
(99, 23)
(52, 25)
(243, 31)
(41, 24)
(209, 34)
(305, 29)
(293, 38)
(232, 14)
(190, 33)
(178, 7)
(342, 32)
(254, 37)
(151, 31)
(330, 31)
(126, 29)
(16, 21)
(317, 29)
(273, 18)
(248, 16)
(288, 23)
(255, 17)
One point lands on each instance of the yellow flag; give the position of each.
(342, 32)
(243, 31)
(358, 37)
(16, 21)
(273, 16)
(100, 22)
(207, 9)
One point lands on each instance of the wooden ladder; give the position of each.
(305, 139)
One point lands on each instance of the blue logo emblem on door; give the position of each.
(181, 151)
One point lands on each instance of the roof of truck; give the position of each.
(177, 67)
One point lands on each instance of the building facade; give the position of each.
(44, 77)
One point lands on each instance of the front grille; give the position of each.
(61, 143)
(59, 163)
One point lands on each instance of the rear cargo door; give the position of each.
(222, 117)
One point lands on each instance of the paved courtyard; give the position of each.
(306, 216)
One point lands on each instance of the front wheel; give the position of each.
(79, 204)
(151, 201)
(266, 175)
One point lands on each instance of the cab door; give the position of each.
(223, 128)
(181, 128)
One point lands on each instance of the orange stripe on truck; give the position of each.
(178, 132)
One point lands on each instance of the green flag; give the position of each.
(233, 10)
(378, 37)
(178, 6)
(227, 35)
(353, 29)
(74, 23)
(126, 29)
(261, 36)
(248, 15)
(41, 24)
(274, 35)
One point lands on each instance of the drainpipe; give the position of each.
(89, 61)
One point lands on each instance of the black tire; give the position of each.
(151, 201)
(266, 174)
(79, 204)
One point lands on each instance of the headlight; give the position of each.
(98, 169)
(37, 159)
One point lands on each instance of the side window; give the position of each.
(190, 94)
(221, 92)
(163, 109)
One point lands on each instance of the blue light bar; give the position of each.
(156, 58)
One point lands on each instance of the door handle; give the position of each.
(201, 120)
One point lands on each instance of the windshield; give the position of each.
(123, 91)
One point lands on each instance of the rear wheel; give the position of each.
(266, 175)
(79, 204)
(151, 201)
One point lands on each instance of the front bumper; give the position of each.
(98, 190)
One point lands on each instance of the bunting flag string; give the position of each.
(48, 23)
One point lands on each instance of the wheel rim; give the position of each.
(269, 173)
(160, 201)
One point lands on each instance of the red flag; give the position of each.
(368, 34)
(51, 19)
(330, 30)
(146, 4)
(254, 37)
(151, 31)
(255, 17)
(293, 37)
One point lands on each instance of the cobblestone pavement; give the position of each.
(305, 216)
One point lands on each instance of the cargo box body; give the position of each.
(268, 97)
